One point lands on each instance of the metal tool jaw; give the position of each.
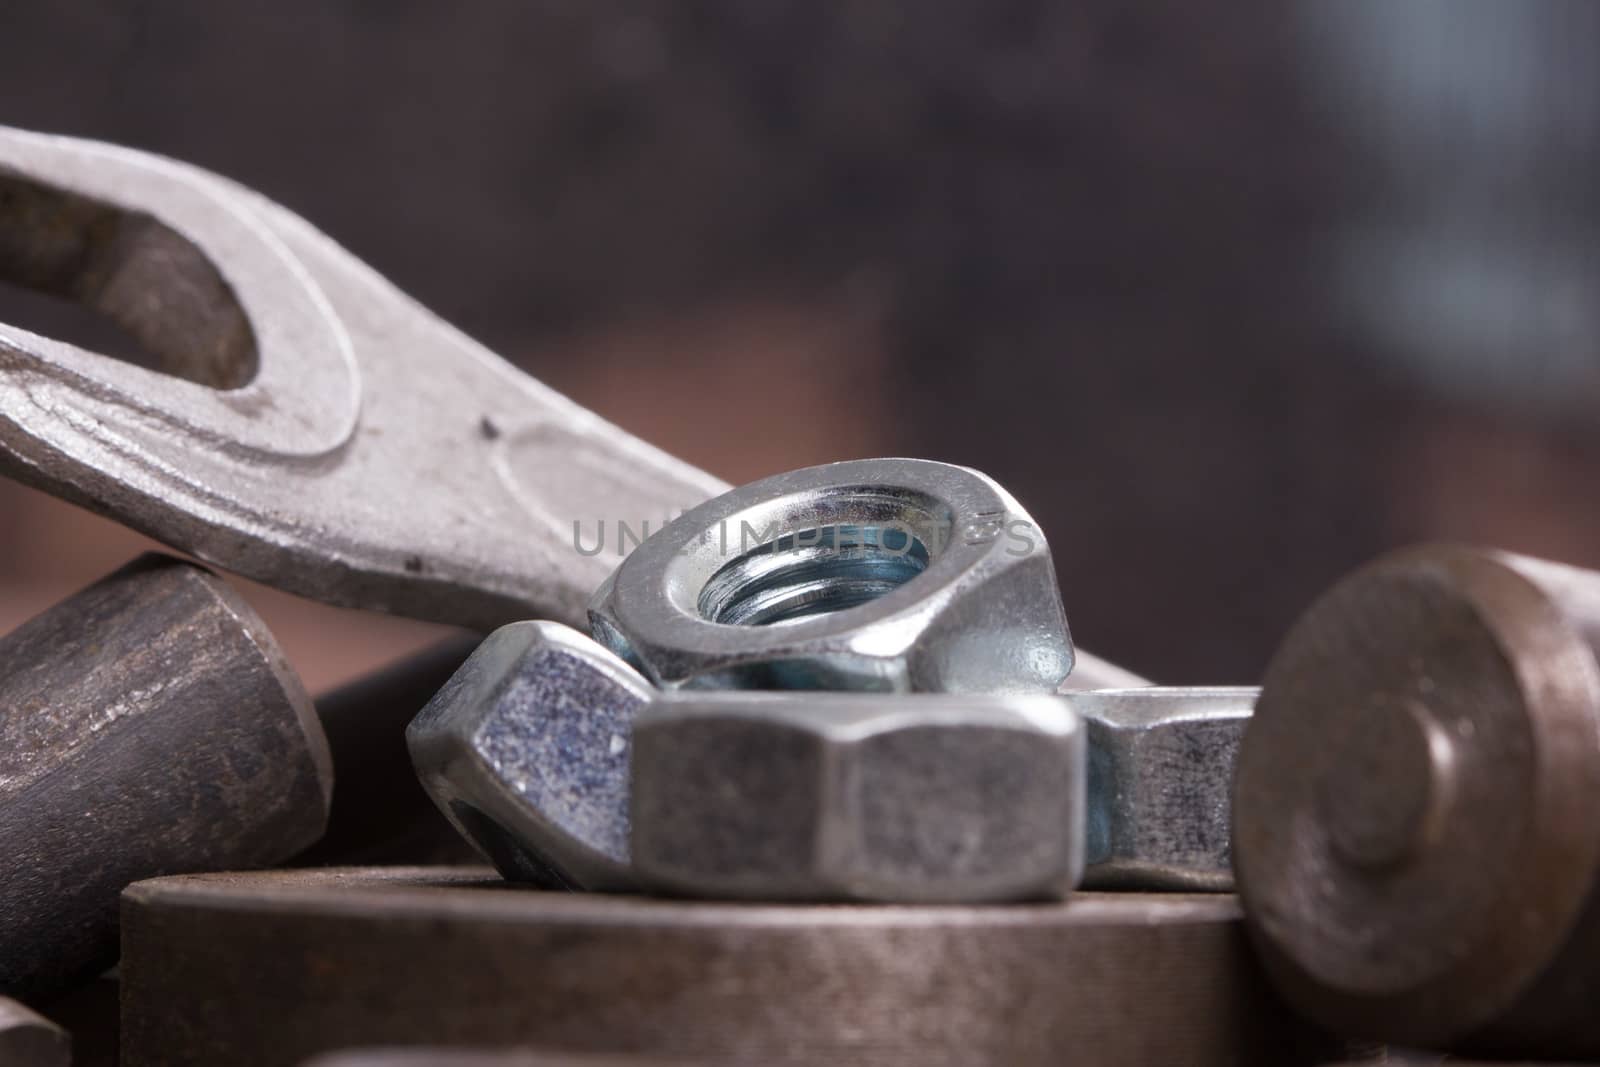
(320, 431)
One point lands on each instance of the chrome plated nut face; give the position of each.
(525, 750)
(886, 574)
(1160, 775)
(855, 796)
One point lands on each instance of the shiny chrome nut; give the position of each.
(854, 796)
(525, 750)
(1160, 773)
(886, 574)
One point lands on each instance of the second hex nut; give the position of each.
(525, 751)
(1161, 764)
(885, 574)
(841, 796)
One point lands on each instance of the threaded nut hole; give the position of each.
(812, 572)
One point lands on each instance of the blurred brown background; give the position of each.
(1232, 299)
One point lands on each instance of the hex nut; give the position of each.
(1161, 764)
(525, 750)
(853, 796)
(889, 575)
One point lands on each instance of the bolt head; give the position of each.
(1413, 837)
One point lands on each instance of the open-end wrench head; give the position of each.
(319, 431)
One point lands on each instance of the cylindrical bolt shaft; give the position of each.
(148, 725)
